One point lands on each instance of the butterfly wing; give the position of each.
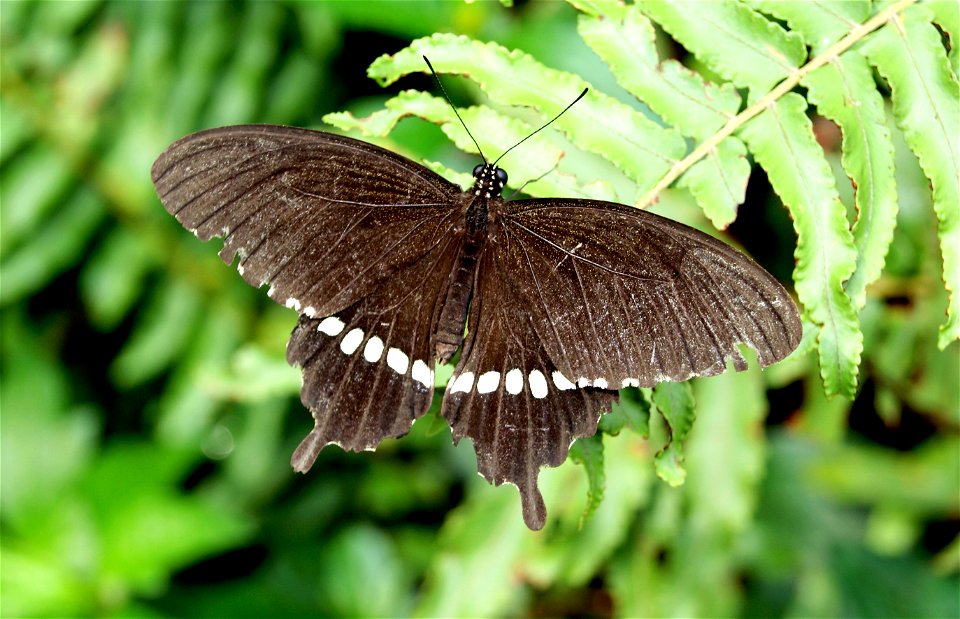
(504, 394)
(357, 239)
(368, 370)
(623, 297)
(324, 219)
(576, 299)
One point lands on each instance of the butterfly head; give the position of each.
(489, 180)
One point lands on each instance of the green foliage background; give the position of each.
(148, 416)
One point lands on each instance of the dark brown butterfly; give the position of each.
(564, 301)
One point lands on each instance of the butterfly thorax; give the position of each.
(489, 180)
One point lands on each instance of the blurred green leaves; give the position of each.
(88, 530)
(148, 415)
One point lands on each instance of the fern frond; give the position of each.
(782, 141)
(682, 98)
(825, 47)
(639, 147)
(844, 92)
(926, 104)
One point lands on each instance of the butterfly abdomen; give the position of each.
(453, 315)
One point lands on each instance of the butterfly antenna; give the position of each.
(534, 180)
(543, 127)
(427, 60)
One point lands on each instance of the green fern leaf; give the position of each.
(926, 104)
(674, 402)
(843, 91)
(682, 98)
(947, 17)
(718, 182)
(495, 133)
(735, 41)
(589, 452)
(695, 107)
(782, 141)
(820, 23)
(642, 149)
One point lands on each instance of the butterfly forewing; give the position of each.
(321, 218)
(623, 297)
(357, 239)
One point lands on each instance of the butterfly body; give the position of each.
(563, 302)
(489, 183)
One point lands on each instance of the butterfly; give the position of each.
(554, 304)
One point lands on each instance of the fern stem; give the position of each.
(788, 84)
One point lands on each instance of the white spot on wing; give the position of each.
(463, 383)
(422, 373)
(601, 383)
(293, 304)
(270, 291)
(351, 341)
(310, 311)
(538, 384)
(514, 381)
(562, 382)
(331, 325)
(583, 382)
(631, 382)
(373, 350)
(240, 269)
(488, 382)
(398, 360)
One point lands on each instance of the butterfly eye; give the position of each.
(502, 177)
(478, 170)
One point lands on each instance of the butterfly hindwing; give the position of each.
(507, 396)
(368, 370)
(622, 297)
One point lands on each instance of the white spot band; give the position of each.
(331, 325)
(488, 381)
(373, 350)
(398, 360)
(463, 383)
(538, 384)
(422, 373)
(514, 381)
(351, 341)
(562, 382)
